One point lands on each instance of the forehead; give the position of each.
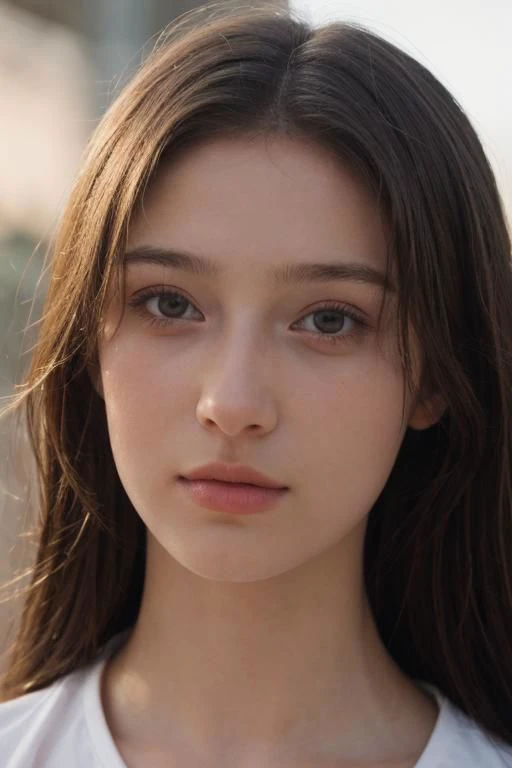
(248, 202)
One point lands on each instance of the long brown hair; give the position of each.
(438, 553)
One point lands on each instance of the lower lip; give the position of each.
(238, 498)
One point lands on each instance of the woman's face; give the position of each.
(288, 376)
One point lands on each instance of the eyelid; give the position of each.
(335, 304)
(159, 290)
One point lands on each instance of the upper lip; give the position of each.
(231, 473)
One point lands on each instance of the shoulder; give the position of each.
(63, 724)
(459, 742)
(47, 727)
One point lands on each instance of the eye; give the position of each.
(163, 307)
(329, 323)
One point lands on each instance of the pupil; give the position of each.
(330, 318)
(172, 304)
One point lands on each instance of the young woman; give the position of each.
(271, 411)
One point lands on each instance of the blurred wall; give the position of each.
(60, 11)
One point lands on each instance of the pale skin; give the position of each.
(255, 644)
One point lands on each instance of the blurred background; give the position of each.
(61, 63)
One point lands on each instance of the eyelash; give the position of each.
(137, 303)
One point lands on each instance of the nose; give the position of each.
(236, 396)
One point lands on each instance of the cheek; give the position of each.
(351, 432)
(140, 377)
(144, 406)
(364, 397)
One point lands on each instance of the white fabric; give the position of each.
(63, 726)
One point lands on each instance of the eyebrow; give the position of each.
(284, 274)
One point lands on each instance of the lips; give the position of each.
(238, 498)
(232, 473)
(231, 488)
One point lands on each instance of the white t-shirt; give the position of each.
(64, 726)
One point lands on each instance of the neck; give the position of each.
(283, 666)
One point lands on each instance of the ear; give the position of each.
(427, 411)
(94, 372)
